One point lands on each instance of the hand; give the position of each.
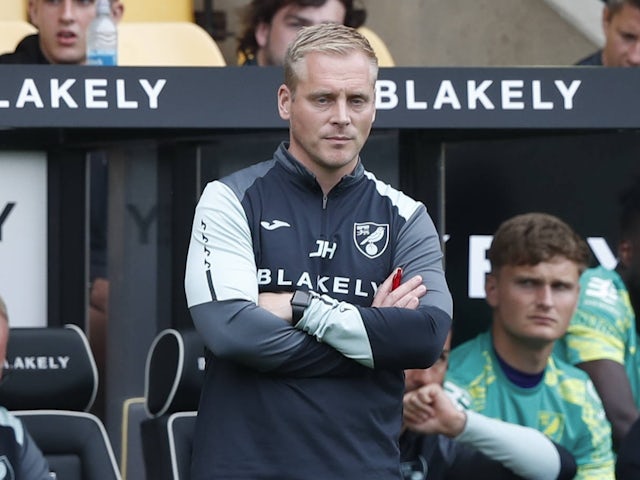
(277, 303)
(407, 295)
(428, 410)
(97, 327)
(99, 294)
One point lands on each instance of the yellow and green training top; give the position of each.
(604, 326)
(564, 404)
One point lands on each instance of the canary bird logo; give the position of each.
(551, 424)
(371, 239)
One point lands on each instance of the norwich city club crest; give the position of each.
(371, 239)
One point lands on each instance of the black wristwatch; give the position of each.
(299, 302)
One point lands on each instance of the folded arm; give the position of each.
(222, 294)
(523, 450)
(385, 336)
(333, 338)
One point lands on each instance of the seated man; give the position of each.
(62, 31)
(509, 372)
(18, 452)
(271, 25)
(442, 440)
(621, 25)
(602, 338)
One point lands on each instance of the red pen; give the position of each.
(397, 279)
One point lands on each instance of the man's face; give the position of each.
(331, 111)
(533, 304)
(622, 33)
(419, 377)
(274, 38)
(62, 25)
(629, 255)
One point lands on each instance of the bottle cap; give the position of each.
(104, 7)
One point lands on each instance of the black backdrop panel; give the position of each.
(576, 177)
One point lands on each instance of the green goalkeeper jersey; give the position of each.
(604, 326)
(564, 405)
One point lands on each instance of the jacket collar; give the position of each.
(292, 165)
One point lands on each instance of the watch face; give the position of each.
(300, 298)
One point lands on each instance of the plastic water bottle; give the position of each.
(102, 37)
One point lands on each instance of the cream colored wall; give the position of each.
(476, 32)
(157, 10)
(14, 10)
(459, 32)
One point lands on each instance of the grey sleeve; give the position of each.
(524, 451)
(33, 465)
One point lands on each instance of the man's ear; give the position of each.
(625, 252)
(606, 18)
(284, 102)
(491, 289)
(32, 9)
(262, 34)
(117, 10)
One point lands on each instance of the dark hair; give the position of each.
(630, 210)
(263, 11)
(615, 5)
(532, 238)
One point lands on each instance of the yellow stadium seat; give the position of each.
(382, 52)
(167, 44)
(11, 32)
(14, 10)
(158, 11)
(134, 10)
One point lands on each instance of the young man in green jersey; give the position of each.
(442, 440)
(602, 338)
(510, 372)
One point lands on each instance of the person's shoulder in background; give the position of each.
(26, 52)
(593, 60)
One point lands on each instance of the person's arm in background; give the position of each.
(524, 451)
(98, 318)
(612, 384)
(31, 462)
(99, 292)
(596, 341)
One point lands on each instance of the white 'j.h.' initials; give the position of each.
(325, 249)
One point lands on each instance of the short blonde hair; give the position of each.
(328, 38)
